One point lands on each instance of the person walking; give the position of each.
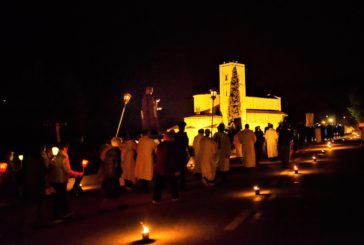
(259, 144)
(271, 139)
(109, 173)
(247, 139)
(196, 150)
(145, 160)
(285, 140)
(166, 169)
(207, 158)
(128, 161)
(182, 154)
(59, 173)
(222, 141)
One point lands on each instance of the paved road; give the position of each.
(319, 205)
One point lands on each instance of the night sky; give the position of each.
(73, 62)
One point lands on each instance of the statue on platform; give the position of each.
(149, 110)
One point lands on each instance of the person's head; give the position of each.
(257, 128)
(221, 127)
(201, 131)
(207, 132)
(181, 126)
(270, 125)
(149, 90)
(246, 125)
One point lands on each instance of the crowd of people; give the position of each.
(147, 163)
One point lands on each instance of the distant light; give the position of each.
(21, 157)
(145, 232)
(55, 150)
(257, 190)
(3, 167)
(295, 169)
(314, 159)
(84, 163)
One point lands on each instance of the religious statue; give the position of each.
(149, 110)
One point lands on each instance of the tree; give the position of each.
(356, 109)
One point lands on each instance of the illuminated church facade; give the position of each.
(232, 106)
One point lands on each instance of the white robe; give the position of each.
(247, 139)
(144, 161)
(271, 138)
(128, 159)
(207, 158)
(223, 151)
(196, 148)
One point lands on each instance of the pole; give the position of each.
(121, 118)
(212, 116)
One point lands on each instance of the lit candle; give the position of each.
(314, 158)
(21, 157)
(55, 150)
(84, 163)
(145, 232)
(295, 169)
(3, 167)
(257, 190)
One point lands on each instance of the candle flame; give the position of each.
(84, 163)
(3, 167)
(21, 157)
(256, 188)
(145, 229)
(295, 167)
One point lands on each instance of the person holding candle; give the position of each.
(59, 173)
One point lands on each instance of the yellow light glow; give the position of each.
(55, 150)
(84, 163)
(3, 167)
(127, 98)
(21, 157)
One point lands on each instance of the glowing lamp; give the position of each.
(3, 167)
(329, 145)
(257, 190)
(295, 168)
(314, 159)
(21, 157)
(55, 150)
(127, 98)
(145, 232)
(84, 163)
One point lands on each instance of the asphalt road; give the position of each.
(322, 204)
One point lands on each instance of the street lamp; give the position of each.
(213, 94)
(127, 98)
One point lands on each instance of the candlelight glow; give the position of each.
(3, 167)
(55, 150)
(314, 158)
(295, 169)
(257, 190)
(21, 157)
(84, 163)
(145, 232)
(191, 164)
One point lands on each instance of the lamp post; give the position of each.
(213, 94)
(127, 98)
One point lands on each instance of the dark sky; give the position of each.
(74, 62)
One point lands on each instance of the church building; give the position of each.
(232, 106)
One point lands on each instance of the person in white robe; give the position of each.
(196, 150)
(271, 139)
(128, 156)
(247, 139)
(207, 158)
(145, 160)
(223, 152)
